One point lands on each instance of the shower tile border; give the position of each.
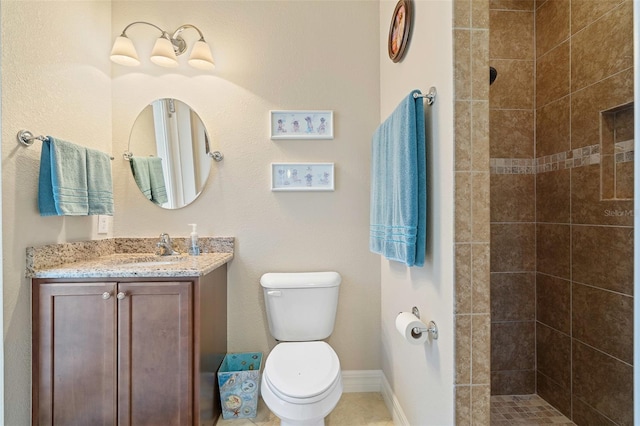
(579, 157)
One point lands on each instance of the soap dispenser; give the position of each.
(194, 249)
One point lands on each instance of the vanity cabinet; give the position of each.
(128, 351)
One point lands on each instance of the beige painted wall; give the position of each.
(422, 377)
(270, 55)
(55, 80)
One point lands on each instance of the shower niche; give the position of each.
(617, 154)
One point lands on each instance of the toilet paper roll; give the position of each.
(405, 323)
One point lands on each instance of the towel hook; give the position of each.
(430, 97)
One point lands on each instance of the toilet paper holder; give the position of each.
(431, 328)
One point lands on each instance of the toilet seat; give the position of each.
(302, 372)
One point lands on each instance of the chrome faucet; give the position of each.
(165, 247)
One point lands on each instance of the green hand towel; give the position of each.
(140, 169)
(99, 183)
(156, 177)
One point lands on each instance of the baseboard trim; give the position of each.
(393, 405)
(361, 381)
(374, 381)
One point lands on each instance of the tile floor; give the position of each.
(531, 410)
(369, 409)
(354, 409)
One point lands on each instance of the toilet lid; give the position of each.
(302, 369)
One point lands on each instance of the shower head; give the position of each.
(492, 75)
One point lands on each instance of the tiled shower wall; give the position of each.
(472, 312)
(584, 95)
(513, 226)
(581, 242)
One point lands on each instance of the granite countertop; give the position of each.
(125, 258)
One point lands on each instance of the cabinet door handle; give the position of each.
(121, 295)
(106, 295)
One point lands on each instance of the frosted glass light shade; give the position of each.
(124, 53)
(201, 57)
(163, 54)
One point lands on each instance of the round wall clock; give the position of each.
(399, 30)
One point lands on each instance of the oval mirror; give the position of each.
(168, 153)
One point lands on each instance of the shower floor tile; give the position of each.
(524, 410)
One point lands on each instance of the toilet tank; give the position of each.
(301, 306)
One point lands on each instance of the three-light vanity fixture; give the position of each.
(166, 49)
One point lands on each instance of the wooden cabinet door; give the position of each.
(155, 353)
(74, 354)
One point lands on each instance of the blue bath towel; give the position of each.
(398, 216)
(99, 183)
(62, 184)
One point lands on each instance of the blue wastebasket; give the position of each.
(239, 382)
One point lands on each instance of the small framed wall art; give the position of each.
(400, 30)
(302, 177)
(301, 124)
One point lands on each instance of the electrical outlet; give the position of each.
(103, 224)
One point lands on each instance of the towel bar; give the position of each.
(27, 138)
(216, 155)
(431, 96)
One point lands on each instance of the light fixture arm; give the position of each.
(164, 33)
(184, 27)
(179, 45)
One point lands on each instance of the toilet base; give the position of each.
(301, 414)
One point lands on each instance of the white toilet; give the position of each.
(301, 381)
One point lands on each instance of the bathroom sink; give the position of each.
(150, 261)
